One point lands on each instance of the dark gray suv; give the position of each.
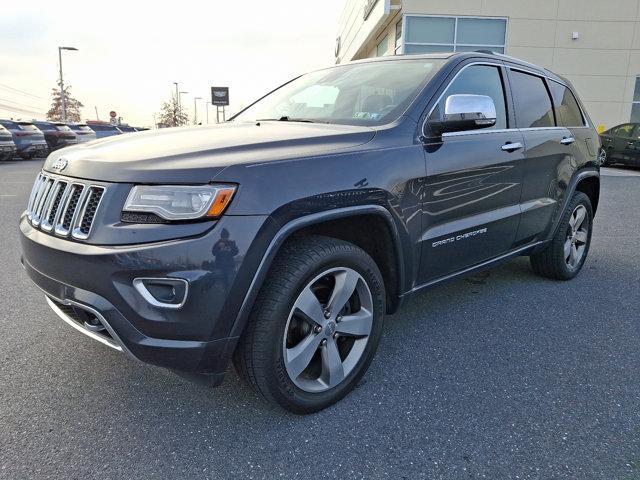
(282, 238)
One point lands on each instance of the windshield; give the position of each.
(361, 94)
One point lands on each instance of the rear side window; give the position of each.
(45, 126)
(103, 128)
(29, 127)
(532, 103)
(622, 130)
(567, 110)
(477, 80)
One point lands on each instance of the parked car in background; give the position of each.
(82, 131)
(104, 130)
(7, 147)
(141, 129)
(28, 138)
(621, 145)
(56, 134)
(126, 129)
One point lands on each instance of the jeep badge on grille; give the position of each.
(59, 165)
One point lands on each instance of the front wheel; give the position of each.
(315, 326)
(565, 255)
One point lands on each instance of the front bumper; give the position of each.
(29, 148)
(80, 280)
(7, 150)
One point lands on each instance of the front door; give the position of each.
(474, 179)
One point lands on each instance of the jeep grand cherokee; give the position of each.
(282, 238)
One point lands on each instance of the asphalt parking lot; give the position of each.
(502, 375)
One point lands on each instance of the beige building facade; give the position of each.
(593, 43)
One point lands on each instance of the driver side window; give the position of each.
(477, 80)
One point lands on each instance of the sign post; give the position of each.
(113, 115)
(220, 98)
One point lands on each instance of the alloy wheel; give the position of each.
(328, 329)
(575, 244)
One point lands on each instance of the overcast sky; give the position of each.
(131, 52)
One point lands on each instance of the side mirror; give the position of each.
(463, 112)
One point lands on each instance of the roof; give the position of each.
(460, 56)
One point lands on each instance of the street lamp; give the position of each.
(206, 106)
(64, 106)
(180, 100)
(195, 111)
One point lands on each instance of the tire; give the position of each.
(556, 260)
(303, 277)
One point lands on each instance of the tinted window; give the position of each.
(567, 109)
(80, 128)
(532, 102)
(62, 128)
(103, 128)
(30, 127)
(477, 80)
(623, 130)
(45, 126)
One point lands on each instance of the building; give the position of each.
(593, 43)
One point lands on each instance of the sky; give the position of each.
(130, 52)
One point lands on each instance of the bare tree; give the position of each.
(171, 115)
(72, 105)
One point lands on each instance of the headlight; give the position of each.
(180, 202)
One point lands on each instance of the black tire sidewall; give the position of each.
(579, 198)
(281, 386)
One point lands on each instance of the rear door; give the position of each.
(550, 154)
(474, 179)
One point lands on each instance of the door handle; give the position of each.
(567, 140)
(631, 144)
(511, 147)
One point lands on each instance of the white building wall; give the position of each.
(602, 63)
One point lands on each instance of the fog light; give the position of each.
(163, 292)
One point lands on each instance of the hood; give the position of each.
(199, 154)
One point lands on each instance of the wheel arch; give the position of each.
(590, 186)
(329, 223)
(586, 179)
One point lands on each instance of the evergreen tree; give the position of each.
(171, 115)
(72, 106)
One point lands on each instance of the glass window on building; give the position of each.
(635, 107)
(383, 46)
(426, 34)
(398, 43)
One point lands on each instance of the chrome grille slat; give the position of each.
(62, 206)
(46, 222)
(42, 201)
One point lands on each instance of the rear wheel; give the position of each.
(565, 255)
(315, 326)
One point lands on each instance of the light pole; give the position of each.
(206, 105)
(177, 97)
(64, 106)
(195, 110)
(180, 100)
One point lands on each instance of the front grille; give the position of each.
(64, 207)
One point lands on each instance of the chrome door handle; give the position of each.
(567, 140)
(511, 147)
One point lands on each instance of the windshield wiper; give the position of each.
(285, 118)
